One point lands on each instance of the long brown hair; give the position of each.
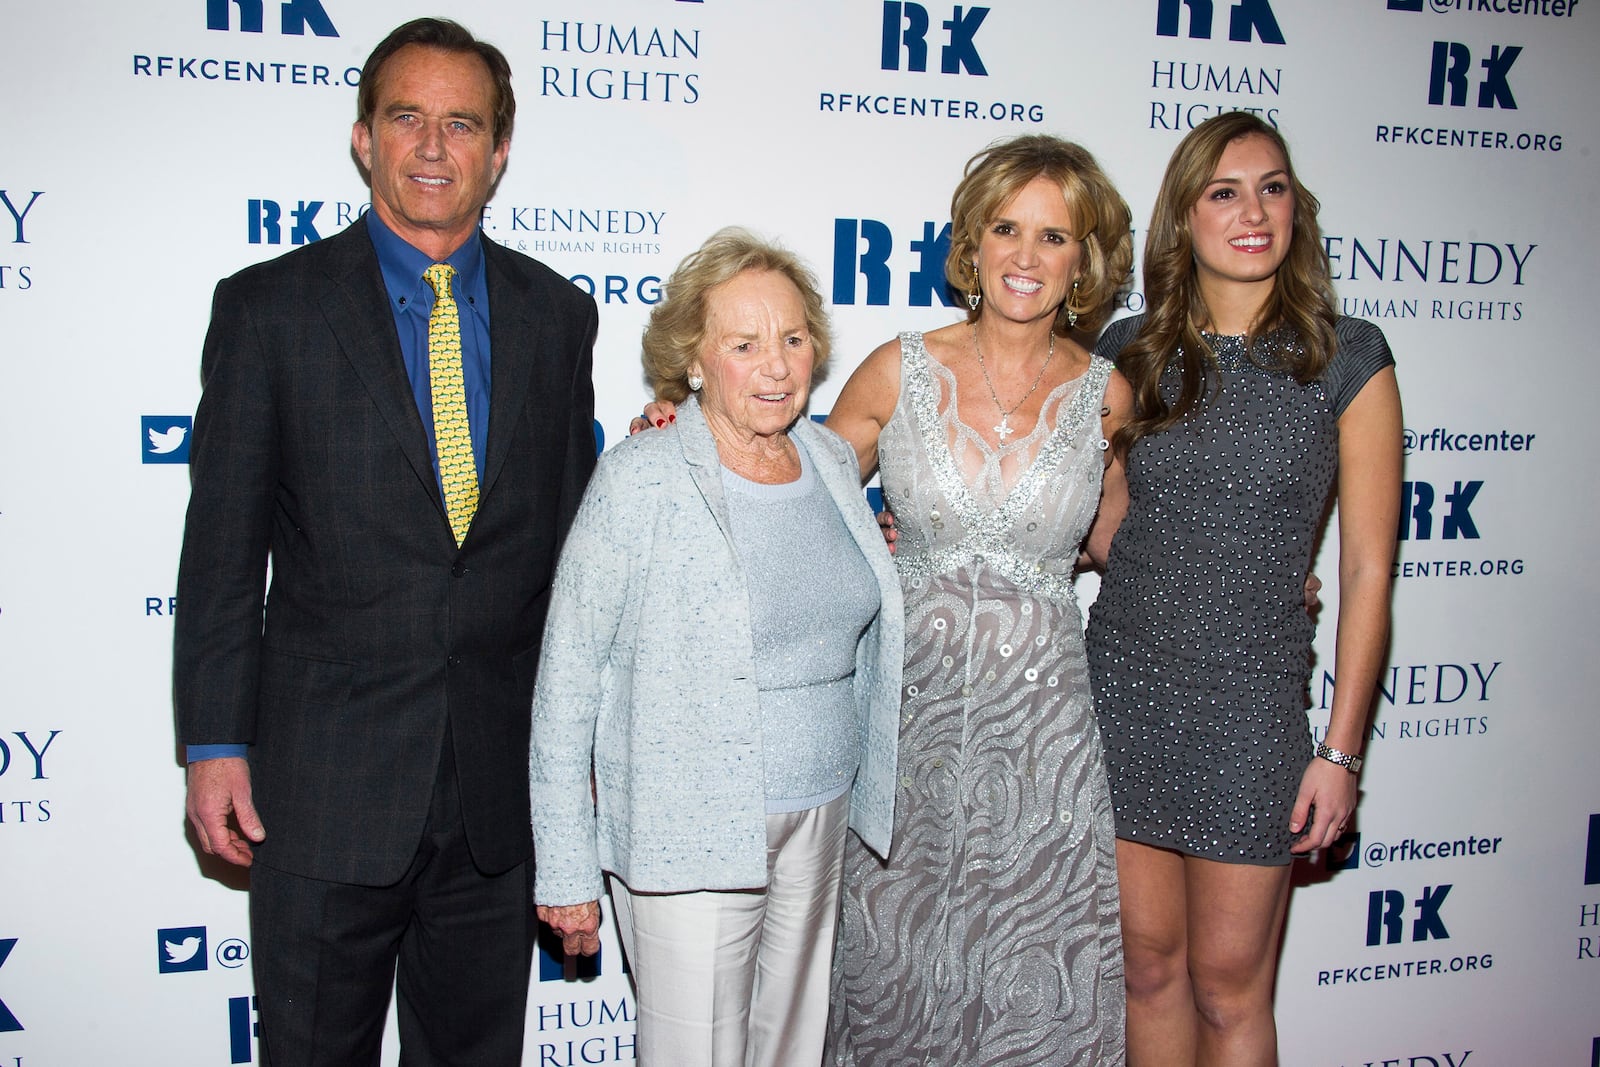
(1301, 302)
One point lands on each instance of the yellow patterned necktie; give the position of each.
(458, 471)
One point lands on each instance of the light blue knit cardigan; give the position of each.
(648, 663)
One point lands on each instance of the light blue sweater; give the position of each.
(806, 632)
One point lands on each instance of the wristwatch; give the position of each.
(1343, 759)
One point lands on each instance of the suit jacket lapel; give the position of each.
(356, 307)
(518, 332)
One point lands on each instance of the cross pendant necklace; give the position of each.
(1003, 428)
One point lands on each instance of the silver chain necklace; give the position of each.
(1003, 428)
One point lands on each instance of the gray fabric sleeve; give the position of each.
(1363, 351)
(1116, 336)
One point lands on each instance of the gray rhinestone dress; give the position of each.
(991, 934)
(1199, 643)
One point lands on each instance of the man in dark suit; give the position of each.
(360, 734)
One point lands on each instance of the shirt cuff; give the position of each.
(196, 753)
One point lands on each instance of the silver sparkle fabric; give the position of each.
(991, 934)
(806, 623)
(1199, 643)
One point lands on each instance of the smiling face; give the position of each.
(1027, 259)
(430, 149)
(1243, 223)
(756, 357)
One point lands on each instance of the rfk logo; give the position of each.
(905, 27)
(266, 222)
(1247, 17)
(1386, 916)
(8, 1021)
(1417, 505)
(244, 1028)
(556, 966)
(852, 262)
(297, 15)
(1452, 64)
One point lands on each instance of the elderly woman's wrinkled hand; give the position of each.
(578, 925)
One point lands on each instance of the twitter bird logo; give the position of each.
(183, 951)
(182, 948)
(165, 438)
(169, 441)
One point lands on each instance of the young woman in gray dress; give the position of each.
(1252, 398)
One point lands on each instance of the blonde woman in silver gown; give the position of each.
(990, 935)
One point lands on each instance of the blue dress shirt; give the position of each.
(411, 300)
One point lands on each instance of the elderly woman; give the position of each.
(737, 713)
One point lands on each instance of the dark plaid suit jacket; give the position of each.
(308, 447)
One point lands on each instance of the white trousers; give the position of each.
(740, 978)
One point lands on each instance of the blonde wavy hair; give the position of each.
(677, 326)
(1100, 219)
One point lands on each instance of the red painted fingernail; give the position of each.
(673, 419)
(660, 423)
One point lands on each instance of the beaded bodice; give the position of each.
(1020, 510)
(1223, 514)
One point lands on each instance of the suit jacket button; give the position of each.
(453, 661)
(458, 570)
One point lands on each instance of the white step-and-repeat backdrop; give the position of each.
(151, 148)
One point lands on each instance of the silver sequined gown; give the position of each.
(1199, 643)
(991, 936)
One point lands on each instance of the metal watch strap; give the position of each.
(1343, 759)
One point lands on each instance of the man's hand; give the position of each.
(578, 925)
(219, 788)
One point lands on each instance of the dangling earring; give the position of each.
(695, 382)
(1072, 316)
(975, 297)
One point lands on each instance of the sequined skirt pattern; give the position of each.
(991, 936)
(992, 933)
(1206, 766)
